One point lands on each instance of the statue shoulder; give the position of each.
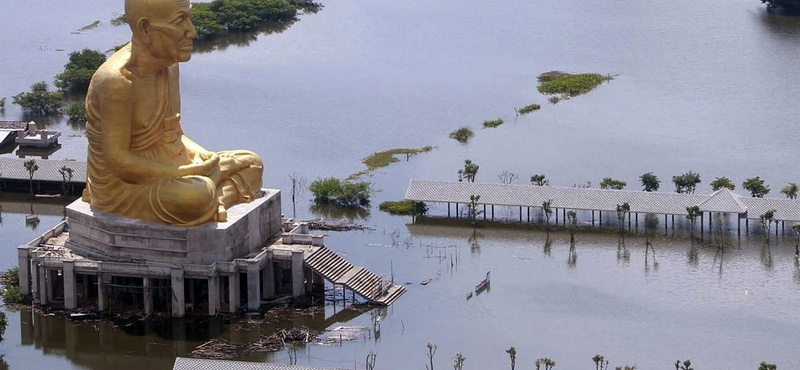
(112, 76)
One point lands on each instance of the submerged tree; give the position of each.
(39, 100)
(756, 187)
(788, 6)
(572, 223)
(459, 363)
(512, 353)
(600, 362)
(765, 366)
(430, 354)
(609, 183)
(796, 229)
(686, 183)
(622, 211)
(548, 363)
(547, 212)
(686, 365)
(468, 172)
(692, 213)
(790, 190)
(722, 182)
(472, 208)
(539, 180)
(766, 222)
(650, 226)
(508, 177)
(650, 182)
(66, 178)
(31, 167)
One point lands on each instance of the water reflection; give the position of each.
(332, 212)
(788, 27)
(239, 39)
(474, 245)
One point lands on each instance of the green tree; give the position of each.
(205, 21)
(79, 70)
(790, 190)
(548, 363)
(756, 187)
(76, 111)
(66, 178)
(789, 6)
(650, 182)
(472, 207)
(39, 100)
(547, 212)
(512, 353)
(686, 183)
(459, 364)
(692, 213)
(622, 210)
(462, 134)
(341, 193)
(540, 180)
(468, 172)
(609, 183)
(2, 103)
(766, 222)
(686, 365)
(31, 167)
(600, 362)
(722, 182)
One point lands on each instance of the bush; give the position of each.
(609, 183)
(79, 70)
(341, 193)
(492, 123)
(462, 135)
(76, 111)
(39, 100)
(554, 100)
(404, 208)
(529, 108)
(11, 295)
(10, 277)
(3, 103)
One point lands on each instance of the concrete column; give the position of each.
(297, 273)
(51, 278)
(34, 280)
(43, 285)
(70, 294)
(233, 292)
(178, 299)
(24, 263)
(213, 295)
(268, 280)
(309, 280)
(147, 295)
(253, 286)
(102, 300)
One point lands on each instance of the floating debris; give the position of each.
(425, 282)
(330, 225)
(222, 349)
(341, 333)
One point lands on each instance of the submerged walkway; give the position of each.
(602, 200)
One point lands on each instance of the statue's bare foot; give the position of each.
(222, 214)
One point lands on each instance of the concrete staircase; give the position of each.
(358, 279)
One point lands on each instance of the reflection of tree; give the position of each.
(766, 257)
(240, 39)
(650, 226)
(332, 212)
(719, 255)
(474, 246)
(548, 243)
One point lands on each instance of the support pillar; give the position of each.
(297, 273)
(254, 285)
(233, 292)
(213, 295)
(34, 280)
(102, 300)
(268, 279)
(70, 295)
(178, 296)
(309, 275)
(43, 293)
(456, 210)
(448, 210)
(592, 217)
(701, 222)
(492, 212)
(520, 214)
(147, 294)
(24, 264)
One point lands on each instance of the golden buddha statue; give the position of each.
(140, 163)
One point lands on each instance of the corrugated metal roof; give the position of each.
(13, 125)
(588, 199)
(14, 169)
(182, 363)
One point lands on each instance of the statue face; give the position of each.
(172, 32)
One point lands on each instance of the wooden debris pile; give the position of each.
(331, 225)
(222, 349)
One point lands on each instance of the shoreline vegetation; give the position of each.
(382, 159)
(492, 123)
(220, 17)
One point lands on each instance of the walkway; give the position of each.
(593, 199)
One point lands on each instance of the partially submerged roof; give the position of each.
(575, 198)
(14, 169)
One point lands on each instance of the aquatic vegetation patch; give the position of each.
(462, 134)
(492, 123)
(569, 85)
(529, 108)
(404, 207)
(89, 26)
(382, 159)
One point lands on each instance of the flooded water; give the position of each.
(702, 86)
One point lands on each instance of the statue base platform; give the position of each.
(107, 237)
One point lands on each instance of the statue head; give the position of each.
(162, 27)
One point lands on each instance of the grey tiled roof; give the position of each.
(200, 364)
(724, 200)
(14, 169)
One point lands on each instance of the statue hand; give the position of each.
(208, 167)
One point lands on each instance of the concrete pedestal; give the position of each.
(109, 237)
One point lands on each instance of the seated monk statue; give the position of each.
(140, 163)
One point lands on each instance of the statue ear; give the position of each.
(143, 26)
